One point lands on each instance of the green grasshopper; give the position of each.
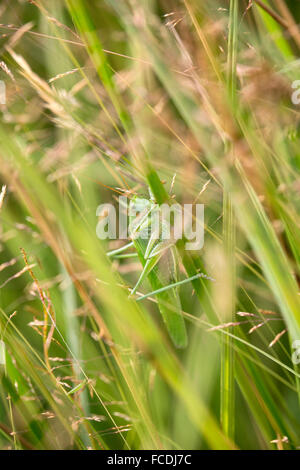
(159, 260)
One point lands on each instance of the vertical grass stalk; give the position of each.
(227, 354)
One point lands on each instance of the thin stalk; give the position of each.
(175, 284)
(227, 351)
(227, 412)
(272, 13)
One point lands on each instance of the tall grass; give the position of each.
(185, 102)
